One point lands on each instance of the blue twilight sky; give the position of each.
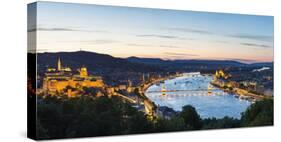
(157, 33)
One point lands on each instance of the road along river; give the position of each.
(195, 89)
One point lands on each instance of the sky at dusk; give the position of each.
(153, 33)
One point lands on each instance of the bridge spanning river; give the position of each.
(194, 90)
(180, 90)
(187, 94)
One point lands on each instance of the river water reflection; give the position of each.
(192, 89)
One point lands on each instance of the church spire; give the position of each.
(59, 64)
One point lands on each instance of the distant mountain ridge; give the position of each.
(103, 63)
(93, 61)
(195, 61)
(196, 65)
(191, 61)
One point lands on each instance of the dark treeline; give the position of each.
(89, 116)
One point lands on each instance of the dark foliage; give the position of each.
(259, 114)
(226, 122)
(85, 116)
(191, 118)
(90, 116)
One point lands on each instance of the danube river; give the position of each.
(195, 89)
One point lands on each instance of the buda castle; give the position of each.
(61, 79)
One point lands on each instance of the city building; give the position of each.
(64, 80)
(221, 74)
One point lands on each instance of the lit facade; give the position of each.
(62, 80)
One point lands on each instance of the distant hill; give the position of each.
(102, 63)
(187, 64)
(152, 61)
(266, 64)
(191, 62)
(95, 62)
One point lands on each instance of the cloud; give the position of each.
(179, 54)
(147, 45)
(139, 45)
(188, 30)
(256, 45)
(56, 29)
(100, 41)
(64, 30)
(266, 38)
(169, 46)
(240, 35)
(50, 29)
(221, 41)
(160, 36)
(252, 37)
(241, 60)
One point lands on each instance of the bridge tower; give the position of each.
(143, 78)
(163, 90)
(210, 88)
(59, 65)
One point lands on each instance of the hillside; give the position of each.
(102, 63)
(95, 62)
(187, 65)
